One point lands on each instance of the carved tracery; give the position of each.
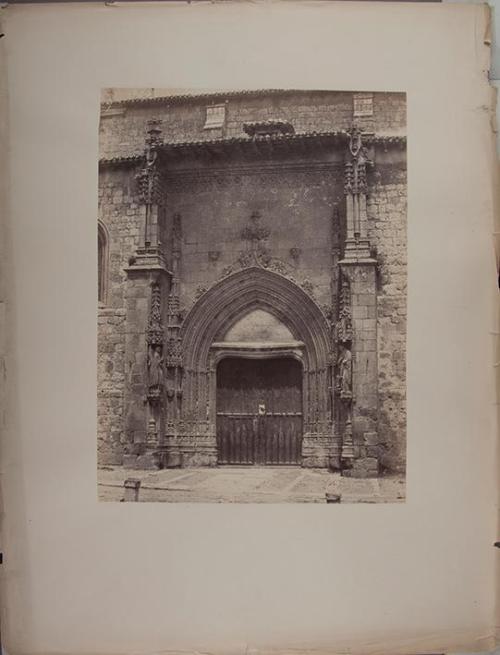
(155, 324)
(155, 342)
(343, 326)
(344, 370)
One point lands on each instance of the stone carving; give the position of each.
(295, 253)
(278, 266)
(355, 168)
(174, 355)
(357, 245)
(154, 395)
(270, 128)
(155, 366)
(152, 433)
(344, 391)
(308, 287)
(344, 376)
(154, 139)
(155, 324)
(174, 352)
(343, 334)
(173, 299)
(173, 305)
(258, 254)
(200, 290)
(213, 255)
(149, 177)
(150, 185)
(343, 328)
(327, 311)
(155, 340)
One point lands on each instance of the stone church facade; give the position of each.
(252, 281)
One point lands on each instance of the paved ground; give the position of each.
(231, 484)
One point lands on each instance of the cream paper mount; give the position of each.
(83, 576)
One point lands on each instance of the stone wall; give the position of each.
(297, 204)
(122, 126)
(120, 215)
(387, 204)
(111, 385)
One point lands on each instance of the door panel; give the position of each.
(259, 411)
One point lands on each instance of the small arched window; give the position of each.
(102, 262)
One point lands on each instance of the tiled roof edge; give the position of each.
(119, 161)
(216, 95)
(134, 159)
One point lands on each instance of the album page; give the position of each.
(251, 313)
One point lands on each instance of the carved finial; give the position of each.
(355, 140)
(357, 148)
(148, 178)
(154, 132)
(356, 162)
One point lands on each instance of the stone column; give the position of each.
(356, 245)
(148, 283)
(360, 439)
(357, 371)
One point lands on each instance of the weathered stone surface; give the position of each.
(301, 202)
(387, 210)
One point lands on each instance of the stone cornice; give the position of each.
(306, 143)
(116, 162)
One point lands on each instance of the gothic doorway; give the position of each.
(259, 411)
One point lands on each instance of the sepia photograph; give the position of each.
(252, 296)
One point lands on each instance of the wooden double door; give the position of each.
(259, 411)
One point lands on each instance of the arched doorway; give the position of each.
(293, 330)
(259, 411)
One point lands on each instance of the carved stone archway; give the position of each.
(217, 310)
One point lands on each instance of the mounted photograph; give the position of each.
(252, 284)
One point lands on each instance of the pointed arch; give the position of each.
(229, 300)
